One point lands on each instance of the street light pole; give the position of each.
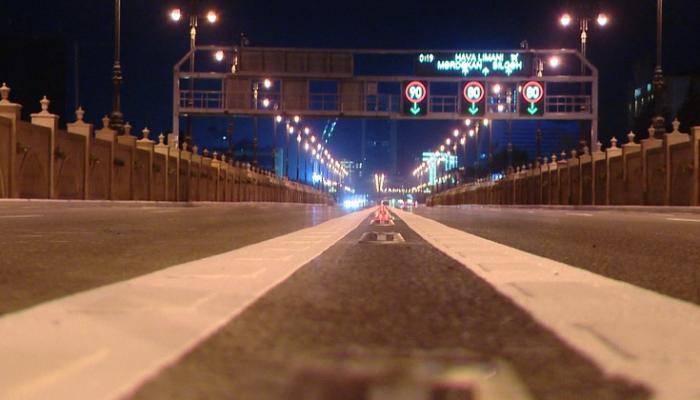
(298, 145)
(116, 118)
(286, 149)
(658, 121)
(193, 44)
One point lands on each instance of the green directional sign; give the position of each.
(473, 99)
(415, 99)
(532, 99)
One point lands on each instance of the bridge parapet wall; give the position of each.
(40, 161)
(657, 172)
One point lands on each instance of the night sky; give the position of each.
(152, 43)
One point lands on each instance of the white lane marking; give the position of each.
(683, 219)
(22, 216)
(104, 343)
(626, 330)
(166, 211)
(580, 214)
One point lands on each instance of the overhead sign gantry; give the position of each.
(424, 84)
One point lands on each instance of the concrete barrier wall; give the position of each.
(38, 160)
(6, 152)
(32, 169)
(69, 165)
(656, 173)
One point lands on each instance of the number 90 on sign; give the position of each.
(416, 92)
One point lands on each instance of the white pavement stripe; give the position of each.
(105, 342)
(626, 330)
(683, 219)
(22, 216)
(580, 214)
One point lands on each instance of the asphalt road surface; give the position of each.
(657, 251)
(53, 249)
(377, 307)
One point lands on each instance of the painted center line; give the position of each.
(580, 214)
(22, 216)
(104, 343)
(683, 219)
(626, 330)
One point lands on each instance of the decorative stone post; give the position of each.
(13, 112)
(127, 138)
(671, 139)
(695, 145)
(46, 119)
(648, 144)
(106, 133)
(80, 127)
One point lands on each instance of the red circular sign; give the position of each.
(533, 92)
(416, 92)
(473, 92)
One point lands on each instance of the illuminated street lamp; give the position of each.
(212, 17)
(455, 133)
(554, 61)
(602, 20)
(219, 55)
(565, 20)
(176, 15)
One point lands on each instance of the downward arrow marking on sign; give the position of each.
(473, 109)
(532, 109)
(415, 109)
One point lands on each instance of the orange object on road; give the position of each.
(382, 214)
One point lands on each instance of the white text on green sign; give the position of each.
(474, 63)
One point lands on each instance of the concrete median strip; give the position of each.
(104, 343)
(626, 330)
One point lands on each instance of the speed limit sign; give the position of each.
(473, 92)
(533, 92)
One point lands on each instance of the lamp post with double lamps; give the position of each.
(176, 14)
(584, 21)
